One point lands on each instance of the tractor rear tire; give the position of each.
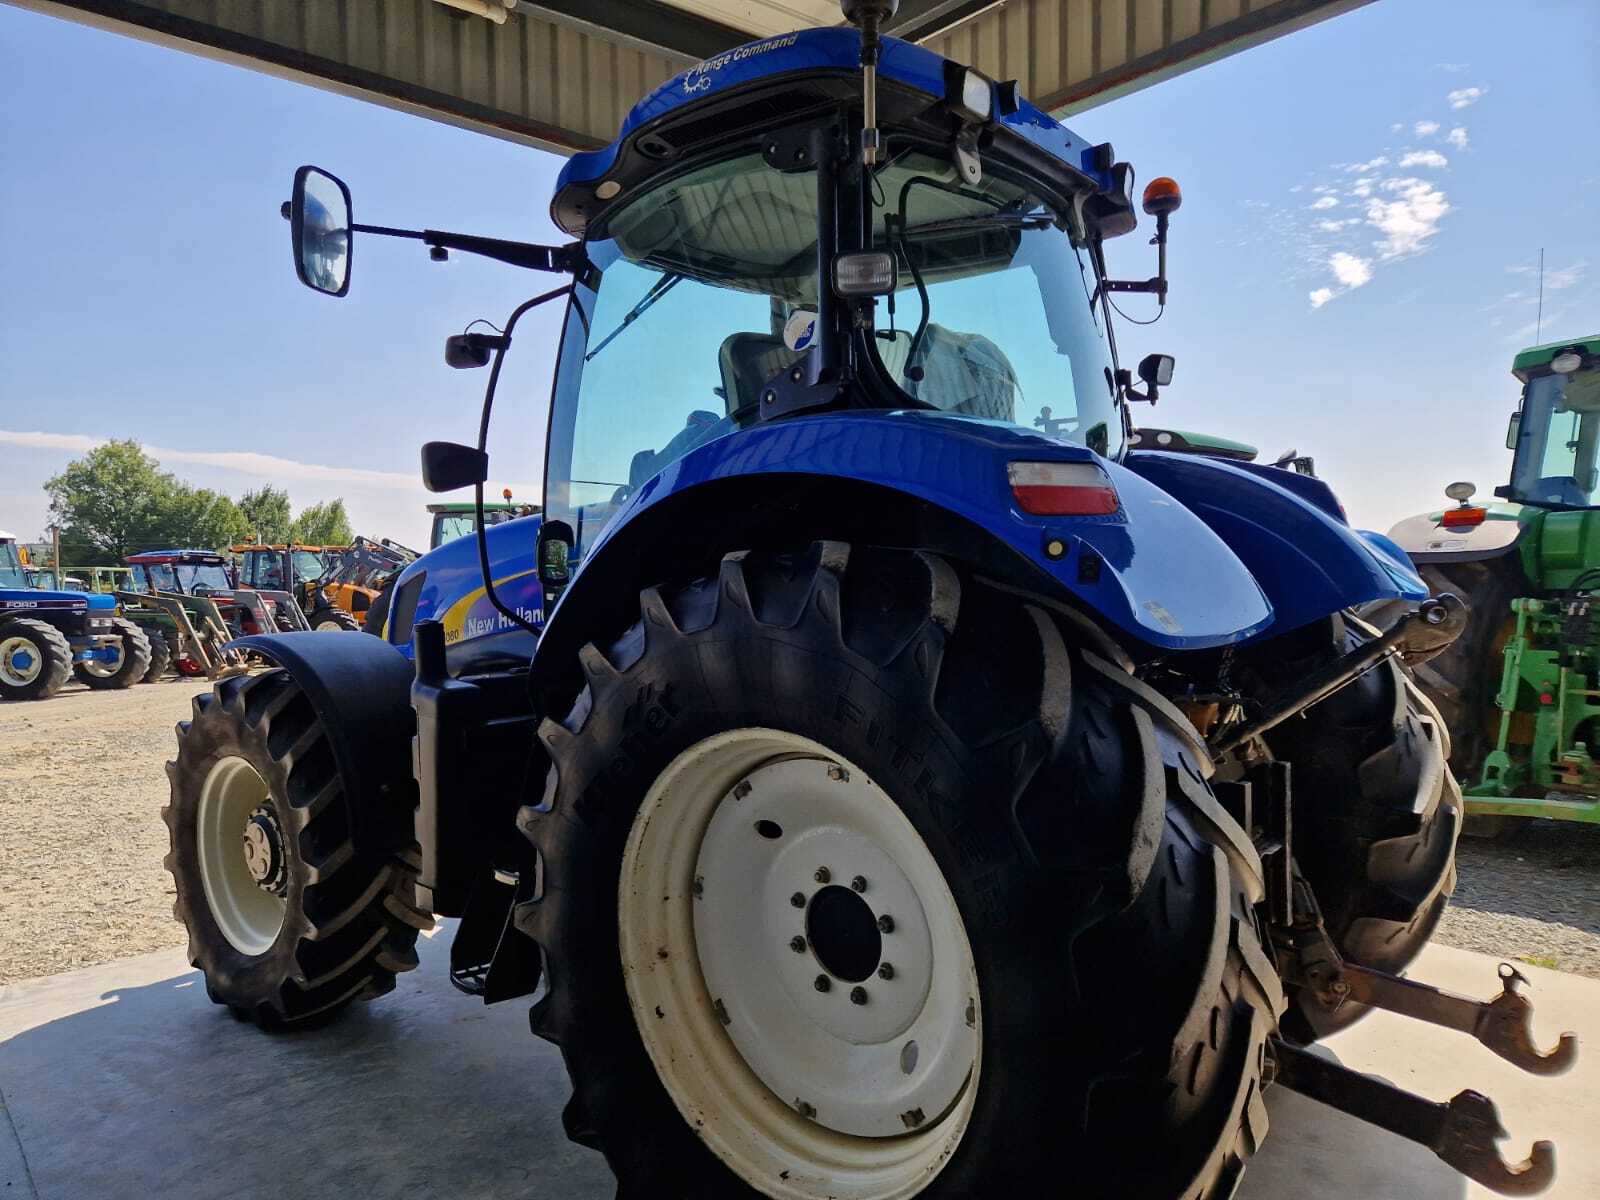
(288, 919)
(1376, 817)
(333, 620)
(160, 657)
(1097, 902)
(35, 659)
(128, 670)
(1463, 681)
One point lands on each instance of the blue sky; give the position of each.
(1350, 275)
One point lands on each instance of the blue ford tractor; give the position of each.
(881, 796)
(47, 637)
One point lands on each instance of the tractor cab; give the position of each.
(282, 566)
(187, 572)
(458, 519)
(1555, 432)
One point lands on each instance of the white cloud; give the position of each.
(1558, 280)
(1372, 164)
(1424, 158)
(1350, 270)
(1451, 67)
(1463, 97)
(1425, 128)
(1362, 188)
(1325, 202)
(1410, 219)
(1321, 296)
(1457, 137)
(1336, 226)
(1397, 127)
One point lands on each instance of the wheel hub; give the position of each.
(18, 662)
(844, 934)
(263, 851)
(787, 936)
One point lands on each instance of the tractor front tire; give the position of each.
(288, 919)
(160, 658)
(129, 668)
(35, 659)
(333, 620)
(858, 882)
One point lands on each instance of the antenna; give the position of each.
(1538, 325)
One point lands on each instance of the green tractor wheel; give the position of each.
(160, 658)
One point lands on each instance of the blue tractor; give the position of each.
(47, 637)
(883, 796)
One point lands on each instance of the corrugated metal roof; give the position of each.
(561, 74)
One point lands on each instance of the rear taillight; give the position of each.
(1465, 517)
(1062, 489)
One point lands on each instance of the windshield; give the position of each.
(11, 573)
(308, 565)
(447, 527)
(992, 316)
(192, 578)
(1557, 442)
(708, 287)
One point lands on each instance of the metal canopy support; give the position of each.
(562, 74)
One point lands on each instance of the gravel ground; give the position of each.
(1532, 895)
(81, 837)
(81, 842)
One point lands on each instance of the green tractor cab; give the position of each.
(1520, 690)
(458, 519)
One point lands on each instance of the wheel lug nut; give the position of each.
(885, 970)
(798, 899)
(823, 875)
(858, 995)
(823, 983)
(859, 883)
(797, 944)
(886, 924)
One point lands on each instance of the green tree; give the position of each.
(202, 519)
(325, 524)
(266, 511)
(113, 501)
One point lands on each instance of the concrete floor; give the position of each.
(122, 1080)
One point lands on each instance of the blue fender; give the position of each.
(1153, 569)
(1290, 533)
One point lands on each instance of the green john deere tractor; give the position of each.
(1520, 689)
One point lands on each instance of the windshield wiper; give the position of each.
(657, 290)
(1007, 220)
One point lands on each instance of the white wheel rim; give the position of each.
(248, 916)
(330, 626)
(804, 1094)
(20, 661)
(105, 668)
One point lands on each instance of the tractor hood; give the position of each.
(61, 601)
(1426, 540)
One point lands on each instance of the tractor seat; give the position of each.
(962, 372)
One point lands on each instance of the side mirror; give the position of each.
(319, 230)
(555, 560)
(447, 466)
(1156, 369)
(1513, 430)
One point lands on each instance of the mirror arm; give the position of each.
(557, 259)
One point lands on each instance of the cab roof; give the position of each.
(247, 547)
(636, 156)
(202, 558)
(466, 506)
(1530, 360)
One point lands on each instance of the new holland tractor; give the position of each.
(1520, 689)
(879, 797)
(47, 637)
